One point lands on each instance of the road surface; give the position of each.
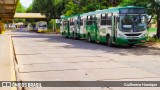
(51, 57)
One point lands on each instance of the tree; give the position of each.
(44, 7)
(59, 6)
(82, 6)
(152, 6)
(29, 9)
(20, 8)
(113, 3)
(49, 8)
(71, 8)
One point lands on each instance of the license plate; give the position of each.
(142, 40)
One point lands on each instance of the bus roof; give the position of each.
(65, 17)
(114, 9)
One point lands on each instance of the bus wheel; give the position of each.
(74, 36)
(131, 45)
(89, 38)
(65, 35)
(108, 41)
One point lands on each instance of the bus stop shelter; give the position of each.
(7, 9)
(29, 15)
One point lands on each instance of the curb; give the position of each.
(15, 69)
(13, 73)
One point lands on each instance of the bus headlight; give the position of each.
(120, 36)
(144, 35)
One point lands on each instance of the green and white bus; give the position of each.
(120, 25)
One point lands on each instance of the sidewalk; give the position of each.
(7, 72)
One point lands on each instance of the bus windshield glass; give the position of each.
(42, 25)
(132, 23)
(132, 11)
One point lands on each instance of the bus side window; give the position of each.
(89, 20)
(94, 20)
(81, 21)
(103, 19)
(109, 19)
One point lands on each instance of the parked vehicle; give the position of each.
(31, 27)
(41, 26)
(119, 25)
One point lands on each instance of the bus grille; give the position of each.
(133, 34)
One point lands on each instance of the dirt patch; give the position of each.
(153, 44)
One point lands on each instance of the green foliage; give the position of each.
(154, 6)
(153, 39)
(19, 20)
(29, 9)
(20, 8)
(50, 24)
(74, 7)
(59, 6)
(49, 8)
(152, 30)
(55, 8)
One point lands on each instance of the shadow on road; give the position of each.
(82, 44)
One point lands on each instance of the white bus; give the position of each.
(41, 26)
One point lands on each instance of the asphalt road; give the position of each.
(51, 57)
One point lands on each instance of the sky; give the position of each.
(26, 3)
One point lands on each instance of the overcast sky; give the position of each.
(26, 3)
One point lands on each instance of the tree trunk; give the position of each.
(158, 26)
(150, 19)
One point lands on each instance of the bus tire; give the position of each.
(89, 38)
(74, 36)
(65, 35)
(130, 45)
(108, 41)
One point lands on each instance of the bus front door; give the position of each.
(114, 28)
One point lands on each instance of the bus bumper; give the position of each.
(39, 31)
(122, 41)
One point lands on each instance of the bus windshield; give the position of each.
(42, 25)
(132, 23)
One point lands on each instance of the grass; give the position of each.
(152, 30)
(153, 39)
(49, 30)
